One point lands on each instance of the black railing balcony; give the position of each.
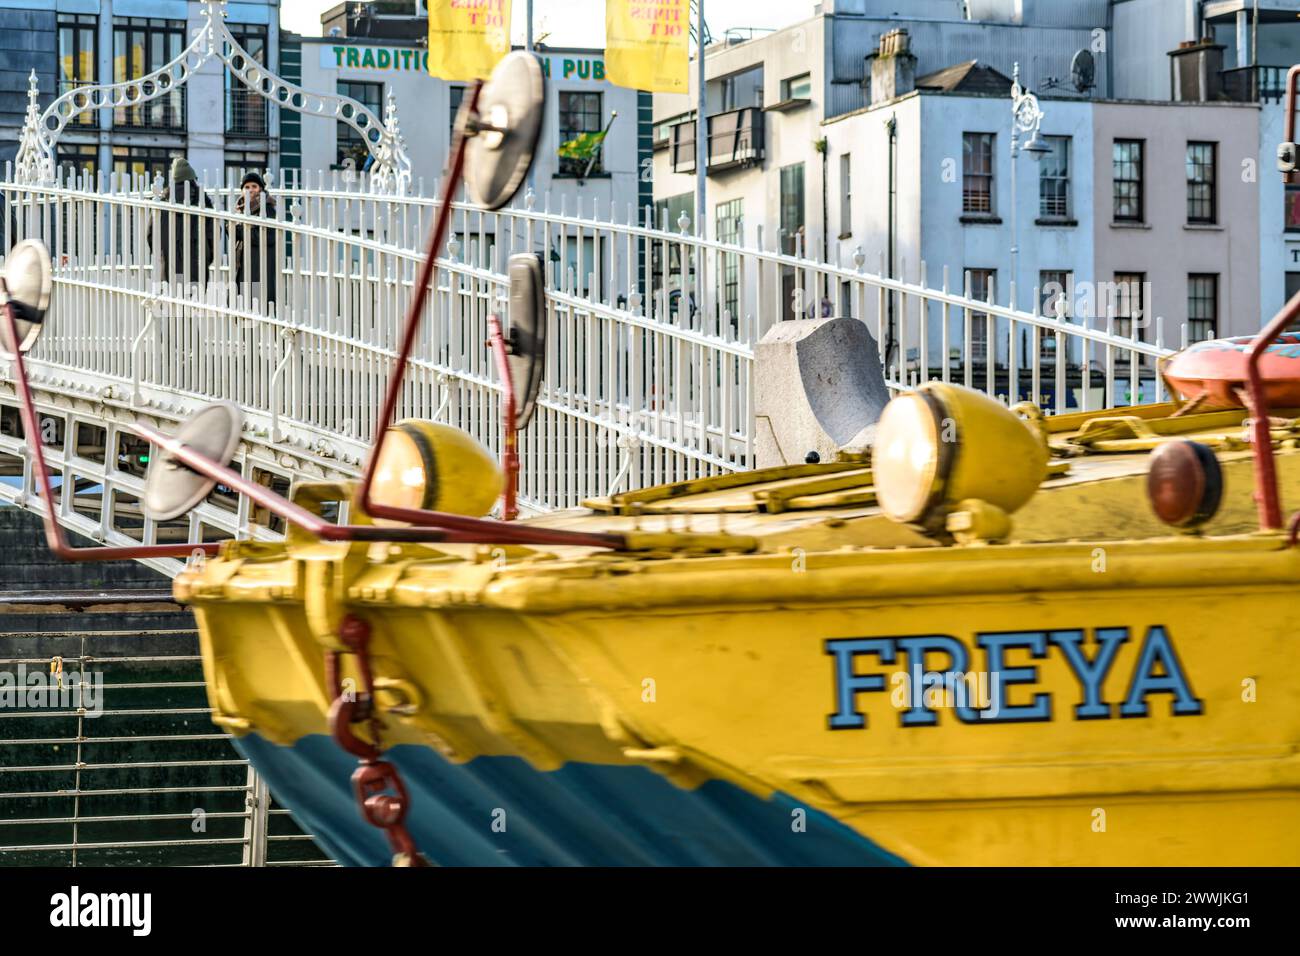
(1255, 84)
(735, 139)
(245, 114)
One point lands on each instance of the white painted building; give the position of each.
(578, 99)
(791, 168)
(937, 218)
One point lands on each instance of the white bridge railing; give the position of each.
(652, 332)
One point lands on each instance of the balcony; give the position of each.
(1255, 84)
(245, 114)
(735, 140)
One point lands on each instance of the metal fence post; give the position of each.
(257, 799)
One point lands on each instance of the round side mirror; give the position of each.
(171, 489)
(497, 160)
(27, 286)
(527, 339)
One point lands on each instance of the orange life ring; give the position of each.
(1215, 370)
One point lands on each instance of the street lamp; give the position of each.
(1026, 117)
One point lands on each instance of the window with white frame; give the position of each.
(983, 288)
(977, 174)
(1128, 304)
(1054, 179)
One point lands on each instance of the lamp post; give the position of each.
(1026, 117)
(701, 127)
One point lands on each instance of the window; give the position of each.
(1128, 304)
(147, 161)
(1054, 179)
(240, 161)
(78, 48)
(1291, 214)
(792, 233)
(1126, 174)
(740, 90)
(668, 211)
(983, 287)
(977, 173)
(666, 257)
(797, 87)
(1202, 306)
(727, 89)
(350, 143)
(581, 113)
(729, 230)
(245, 108)
(846, 190)
(140, 46)
(1055, 295)
(78, 159)
(1200, 182)
(1055, 290)
(792, 209)
(455, 94)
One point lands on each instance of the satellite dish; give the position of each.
(1083, 71)
(506, 129)
(27, 281)
(171, 489)
(527, 340)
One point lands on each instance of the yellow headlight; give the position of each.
(435, 467)
(942, 444)
(906, 456)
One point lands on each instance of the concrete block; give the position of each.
(818, 387)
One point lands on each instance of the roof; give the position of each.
(969, 77)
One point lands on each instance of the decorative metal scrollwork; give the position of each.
(390, 170)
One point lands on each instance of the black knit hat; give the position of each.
(252, 177)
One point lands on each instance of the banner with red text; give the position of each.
(467, 37)
(646, 44)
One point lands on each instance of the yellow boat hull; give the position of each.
(1070, 704)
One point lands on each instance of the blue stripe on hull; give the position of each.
(581, 814)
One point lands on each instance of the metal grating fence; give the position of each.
(107, 755)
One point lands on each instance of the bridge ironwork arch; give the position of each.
(391, 169)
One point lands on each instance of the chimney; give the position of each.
(893, 67)
(1196, 71)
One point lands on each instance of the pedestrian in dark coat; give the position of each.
(254, 244)
(186, 242)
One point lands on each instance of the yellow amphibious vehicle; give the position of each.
(977, 636)
(777, 670)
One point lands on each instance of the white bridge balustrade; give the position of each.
(650, 366)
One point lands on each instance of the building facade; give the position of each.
(1150, 214)
(1237, 50)
(579, 99)
(218, 124)
(770, 95)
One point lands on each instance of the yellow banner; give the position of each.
(467, 37)
(646, 44)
